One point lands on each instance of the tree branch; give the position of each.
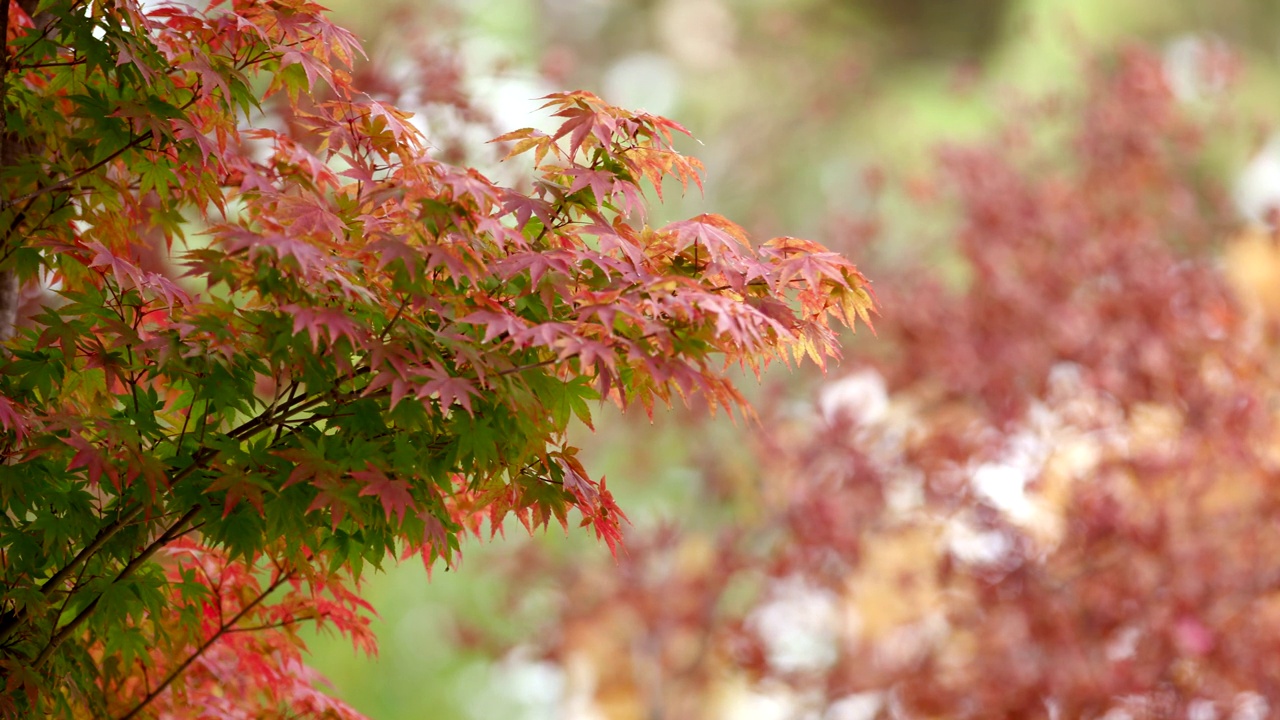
(14, 620)
(222, 630)
(10, 622)
(176, 529)
(76, 175)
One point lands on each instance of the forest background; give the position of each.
(818, 118)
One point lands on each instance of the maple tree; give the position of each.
(1047, 490)
(267, 339)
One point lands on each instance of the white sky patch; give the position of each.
(698, 33)
(1250, 706)
(1202, 710)
(1004, 481)
(644, 81)
(861, 395)
(976, 547)
(579, 18)
(1190, 69)
(522, 688)
(759, 705)
(514, 103)
(535, 684)
(799, 626)
(1258, 189)
(904, 492)
(98, 31)
(1124, 644)
(859, 706)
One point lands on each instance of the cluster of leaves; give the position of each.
(370, 351)
(1053, 497)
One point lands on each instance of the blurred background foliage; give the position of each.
(816, 118)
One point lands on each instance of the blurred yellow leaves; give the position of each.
(1252, 264)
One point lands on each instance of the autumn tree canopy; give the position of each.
(267, 339)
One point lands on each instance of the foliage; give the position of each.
(1053, 496)
(367, 351)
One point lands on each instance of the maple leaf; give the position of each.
(392, 493)
(855, 303)
(308, 463)
(165, 288)
(126, 273)
(529, 139)
(448, 390)
(656, 164)
(470, 185)
(538, 263)
(810, 261)
(495, 323)
(12, 420)
(329, 496)
(396, 120)
(574, 476)
(385, 376)
(601, 182)
(333, 323)
(607, 520)
(238, 486)
(435, 538)
(590, 353)
(185, 130)
(580, 123)
(90, 457)
(722, 239)
(310, 259)
(389, 249)
(314, 68)
(306, 216)
(545, 334)
(524, 207)
(454, 256)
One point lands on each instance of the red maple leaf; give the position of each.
(393, 494)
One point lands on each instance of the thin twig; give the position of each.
(272, 626)
(76, 175)
(222, 630)
(177, 528)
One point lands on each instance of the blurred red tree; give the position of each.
(1051, 496)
